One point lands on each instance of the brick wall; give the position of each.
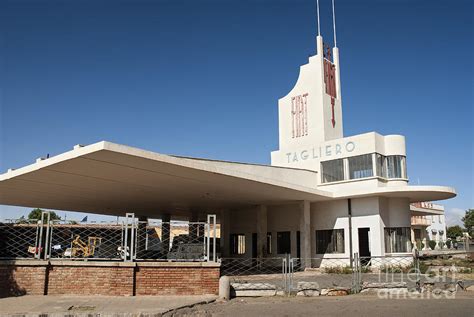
(107, 278)
(89, 280)
(177, 280)
(16, 280)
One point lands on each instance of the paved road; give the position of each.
(353, 306)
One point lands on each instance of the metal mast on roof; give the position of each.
(334, 23)
(317, 9)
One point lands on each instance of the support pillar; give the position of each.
(165, 232)
(224, 222)
(261, 231)
(305, 233)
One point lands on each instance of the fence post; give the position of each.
(211, 219)
(48, 239)
(356, 274)
(284, 272)
(38, 238)
(290, 277)
(417, 269)
(129, 249)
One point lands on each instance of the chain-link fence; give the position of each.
(171, 241)
(19, 239)
(287, 275)
(394, 271)
(316, 274)
(248, 275)
(127, 239)
(71, 240)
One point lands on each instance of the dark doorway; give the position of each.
(254, 245)
(364, 248)
(298, 245)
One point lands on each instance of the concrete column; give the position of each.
(261, 231)
(305, 233)
(165, 232)
(224, 222)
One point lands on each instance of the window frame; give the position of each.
(352, 172)
(398, 243)
(237, 244)
(330, 234)
(324, 175)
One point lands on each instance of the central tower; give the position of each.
(311, 112)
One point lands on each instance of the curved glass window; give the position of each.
(393, 166)
(396, 166)
(380, 165)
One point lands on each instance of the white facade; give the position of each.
(437, 229)
(311, 134)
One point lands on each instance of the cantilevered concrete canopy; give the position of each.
(113, 179)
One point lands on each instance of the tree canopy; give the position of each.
(468, 221)
(454, 231)
(36, 214)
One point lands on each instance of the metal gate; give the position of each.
(289, 276)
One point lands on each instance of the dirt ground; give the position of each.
(354, 305)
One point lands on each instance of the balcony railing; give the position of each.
(420, 221)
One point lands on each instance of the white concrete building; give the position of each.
(428, 223)
(324, 195)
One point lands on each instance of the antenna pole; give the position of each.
(334, 23)
(317, 9)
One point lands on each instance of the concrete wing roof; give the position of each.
(413, 193)
(113, 179)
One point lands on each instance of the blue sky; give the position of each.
(202, 78)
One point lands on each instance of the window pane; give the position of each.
(394, 166)
(360, 166)
(381, 166)
(330, 241)
(397, 240)
(237, 244)
(332, 171)
(283, 242)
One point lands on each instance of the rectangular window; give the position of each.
(330, 241)
(237, 243)
(360, 166)
(284, 242)
(332, 171)
(397, 240)
(269, 243)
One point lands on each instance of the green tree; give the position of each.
(453, 232)
(468, 221)
(36, 214)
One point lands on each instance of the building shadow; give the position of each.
(9, 286)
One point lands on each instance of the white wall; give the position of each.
(375, 213)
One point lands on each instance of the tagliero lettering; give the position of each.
(319, 152)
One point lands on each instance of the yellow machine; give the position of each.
(82, 249)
